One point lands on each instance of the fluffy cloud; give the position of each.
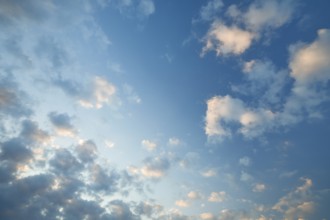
(155, 168)
(193, 195)
(309, 63)
(59, 185)
(268, 14)
(182, 203)
(209, 173)
(245, 27)
(297, 203)
(207, 216)
(227, 40)
(222, 111)
(62, 123)
(259, 187)
(149, 145)
(217, 196)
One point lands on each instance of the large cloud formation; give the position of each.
(308, 69)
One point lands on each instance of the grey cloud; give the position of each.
(87, 151)
(62, 122)
(31, 132)
(155, 167)
(58, 190)
(64, 162)
(13, 102)
(103, 179)
(15, 150)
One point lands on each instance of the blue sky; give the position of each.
(150, 109)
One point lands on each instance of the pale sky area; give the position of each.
(165, 109)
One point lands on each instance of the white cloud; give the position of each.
(193, 195)
(182, 203)
(207, 216)
(217, 196)
(245, 161)
(227, 40)
(297, 203)
(259, 187)
(209, 173)
(220, 110)
(149, 145)
(110, 144)
(155, 168)
(311, 62)
(268, 14)
(245, 27)
(223, 111)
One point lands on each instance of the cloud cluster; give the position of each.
(235, 33)
(274, 107)
(222, 111)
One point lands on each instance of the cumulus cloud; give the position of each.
(217, 196)
(86, 151)
(209, 173)
(259, 187)
(59, 185)
(207, 216)
(62, 124)
(309, 66)
(227, 40)
(182, 203)
(149, 145)
(245, 26)
(222, 111)
(268, 14)
(297, 203)
(309, 63)
(155, 168)
(194, 195)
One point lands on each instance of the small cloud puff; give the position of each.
(259, 187)
(217, 196)
(62, 123)
(149, 145)
(245, 161)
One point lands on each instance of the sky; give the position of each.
(165, 109)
